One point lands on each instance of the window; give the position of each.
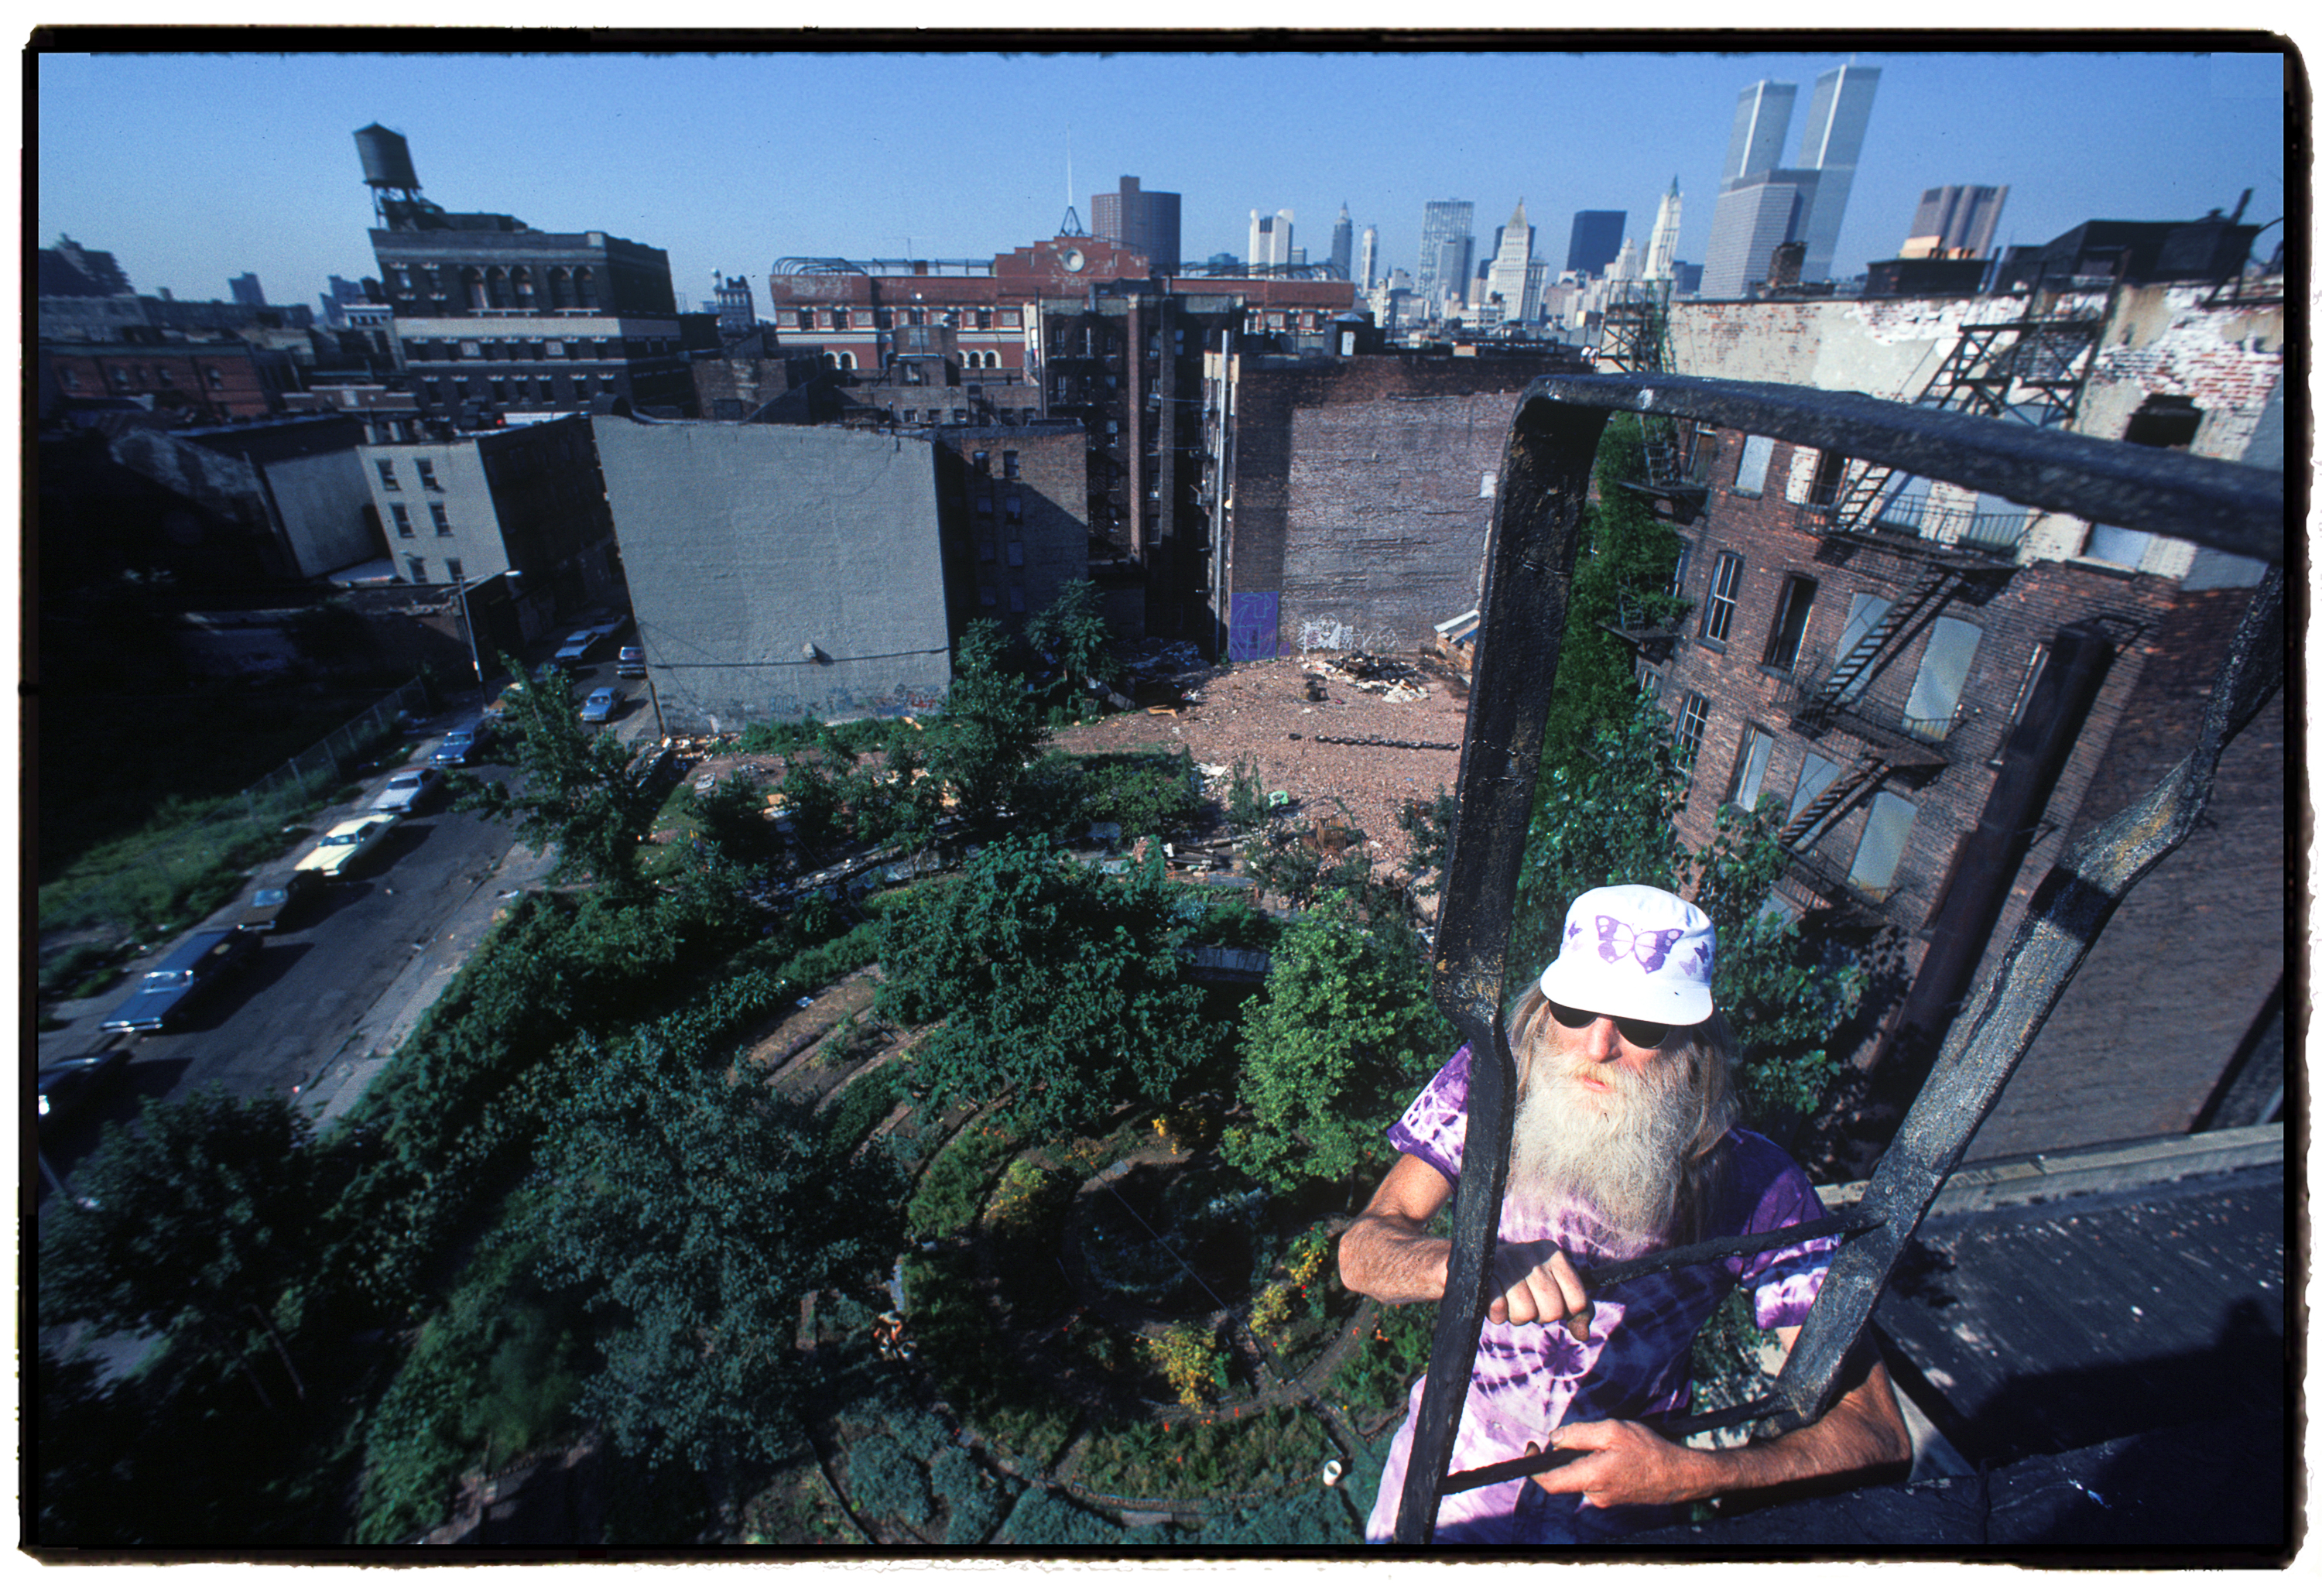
(911, 415)
(1677, 575)
(387, 476)
(1750, 476)
(451, 570)
(418, 569)
(1830, 471)
(806, 320)
(215, 378)
(1015, 552)
(441, 517)
(959, 418)
(983, 502)
(987, 596)
(839, 320)
(1008, 460)
(427, 475)
(469, 350)
(1725, 587)
(987, 551)
(1750, 768)
(2115, 545)
(402, 513)
(1789, 623)
(1880, 852)
(1933, 703)
(1692, 720)
(554, 350)
(1015, 510)
(1016, 598)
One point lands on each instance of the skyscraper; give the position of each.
(246, 289)
(1145, 219)
(1955, 221)
(1762, 206)
(1342, 243)
(1370, 257)
(1835, 124)
(1269, 239)
(1595, 240)
(1660, 252)
(1511, 269)
(1446, 243)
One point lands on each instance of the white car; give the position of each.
(407, 790)
(347, 841)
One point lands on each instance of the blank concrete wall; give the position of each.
(748, 545)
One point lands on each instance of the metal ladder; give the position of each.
(1902, 618)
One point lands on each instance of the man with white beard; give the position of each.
(1625, 1143)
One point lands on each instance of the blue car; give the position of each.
(184, 975)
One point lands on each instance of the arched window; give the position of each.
(560, 287)
(520, 284)
(584, 286)
(472, 281)
(495, 289)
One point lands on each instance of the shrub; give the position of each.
(951, 1190)
(975, 1500)
(1378, 1374)
(1194, 1458)
(887, 1483)
(1189, 1361)
(978, 1367)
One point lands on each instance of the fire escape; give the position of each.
(2029, 369)
(1636, 339)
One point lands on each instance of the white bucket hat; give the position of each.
(1636, 952)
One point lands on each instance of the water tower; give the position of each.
(387, 168)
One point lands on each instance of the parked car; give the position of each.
(576, 649)
(407, 790)
(600, 704)
(68, 1083)
(632, 662)
(275, 900)
(460, 743)
(184, 974)
(347, 841)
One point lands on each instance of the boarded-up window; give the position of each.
(1750, 768)
(1750, 476)
(1943, 675)
(1880, 852)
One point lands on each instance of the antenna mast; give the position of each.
(1071, 226)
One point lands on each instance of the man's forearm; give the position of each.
(1393, 1260)
(1862, 1432)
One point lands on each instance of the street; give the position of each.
(301, 998)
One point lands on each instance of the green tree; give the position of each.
(1343, 1035)
(987, 729)
(1623, 579)
(1610, 817)
(698, 1208)
(1056, 988)
(194, 1229)
(587, 795)
(1072, 632)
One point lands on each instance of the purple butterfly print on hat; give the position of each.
(1635, 952)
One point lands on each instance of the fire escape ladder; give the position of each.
(1873, 649)
(1866, 772)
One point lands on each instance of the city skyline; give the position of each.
(686, 153)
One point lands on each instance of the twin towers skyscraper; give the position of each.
(1762, 205)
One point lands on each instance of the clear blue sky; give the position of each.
(193, 168)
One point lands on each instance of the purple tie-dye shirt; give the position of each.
(1636, 1358)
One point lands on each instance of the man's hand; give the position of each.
(1552, 1291)
(1626, 1465)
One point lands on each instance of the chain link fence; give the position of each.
(150, 880)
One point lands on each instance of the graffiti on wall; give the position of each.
(1325, 635)
(1255, 626)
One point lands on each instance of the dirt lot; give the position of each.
(1262, 711)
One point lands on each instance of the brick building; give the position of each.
(1014, 510)
(1938, 691)
(526, 498)
(203, 381)
(1359, 492)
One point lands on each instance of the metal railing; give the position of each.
(1535, 537)
(1915, 515)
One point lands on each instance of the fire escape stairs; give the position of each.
(1884, 640)
(1868, 771)
(1636, 339)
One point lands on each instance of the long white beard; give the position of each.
(1619, 1155)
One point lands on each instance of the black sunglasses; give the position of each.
(1637, 1032)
